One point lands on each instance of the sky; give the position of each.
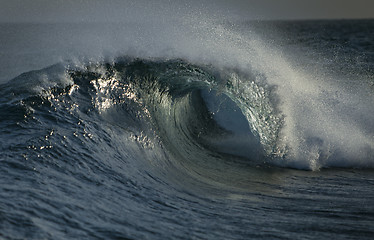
(123, 10)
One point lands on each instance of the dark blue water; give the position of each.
(256, 130)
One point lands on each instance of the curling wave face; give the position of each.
(197, 117)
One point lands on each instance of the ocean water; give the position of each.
(191, 130)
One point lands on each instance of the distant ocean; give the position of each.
(207, 130)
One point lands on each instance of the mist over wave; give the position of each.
(317, 118)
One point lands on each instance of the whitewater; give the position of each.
(188, 126)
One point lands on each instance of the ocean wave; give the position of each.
(198, 116)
